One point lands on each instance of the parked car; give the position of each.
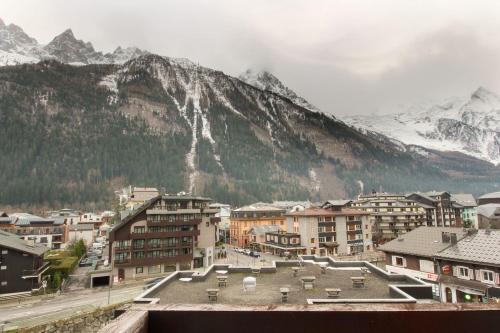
(255, 254)
(247, 252)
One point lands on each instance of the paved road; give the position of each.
(67, 304)
(240, 259)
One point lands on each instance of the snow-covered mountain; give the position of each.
(267, 81)
(469, 125)
(16, 47)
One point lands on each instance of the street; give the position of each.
(66, 304)
(240, 259)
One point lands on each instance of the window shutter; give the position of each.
(478, 275)
(404, 262)
(497, 278)
(471, 274)
(455, 271)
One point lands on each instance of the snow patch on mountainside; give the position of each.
(467, 125)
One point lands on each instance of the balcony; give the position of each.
(165, 222)
(153, 260)
(149, 235)
(122, 249)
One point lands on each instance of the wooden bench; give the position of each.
(333, 292)
(308, 282)
(296, 270)
(284, 294)
(358, 281)
(212, 294)
(221, 281)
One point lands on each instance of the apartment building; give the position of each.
(50, 232)
(441, 210)
(21, 264)
(488, 216)
(470, 268)
(469, 209)
(390, 215)
(329, 232)
(489, 198)
(247, 217)
(282, 243)
(413, 253)
(166, 233)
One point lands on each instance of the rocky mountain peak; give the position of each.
(267, 81)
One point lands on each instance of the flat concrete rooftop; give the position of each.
(269, 284)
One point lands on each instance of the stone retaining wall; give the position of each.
(87, 322)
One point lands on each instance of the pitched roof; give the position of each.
(258, 207)
(336, 203)
(262, 229)
(422, 241)
(466, 200)
(81, 227)
(482, 247)
(493, 195)
(327, 212)
(12, 241)
(489, 210)
(23, 219)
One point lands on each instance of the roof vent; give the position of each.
(445, 237)
(453, 238)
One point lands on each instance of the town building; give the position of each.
(441, 210)
(47, 231)
(282, 243)
(66, 216)
(329, 232)
(224, 214)
(469, 209)
(413, 253)
(489, 198)
(258, 233)
(488, 216)
(132, 197)
(470, 268)
(166, 233)
(81, 231)
(291, 206)
(247, 217)
(337, 204)
(390, 215)
(21, 264)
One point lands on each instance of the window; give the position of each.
(399, 261)
(154, 269)
(312, 240)
(139, 230)
(487, 276)
(321, 239)
(139, 270)
(463, 272)
(207, 224)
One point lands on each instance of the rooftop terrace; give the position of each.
(379, 287)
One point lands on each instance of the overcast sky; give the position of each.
(346, 57)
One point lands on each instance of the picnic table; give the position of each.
(333, 292)
(212, 294)
(308, 282)
(222, 280)
(284, 294)
(296, 270)
(358, 281)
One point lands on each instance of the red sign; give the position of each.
(446, 269)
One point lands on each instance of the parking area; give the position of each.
(237, 258)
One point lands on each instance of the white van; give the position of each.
(97, 246)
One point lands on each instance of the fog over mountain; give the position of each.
(390, 54)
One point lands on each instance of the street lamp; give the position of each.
(109, 287)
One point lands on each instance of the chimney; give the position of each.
(445, 237)
(453, 238)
